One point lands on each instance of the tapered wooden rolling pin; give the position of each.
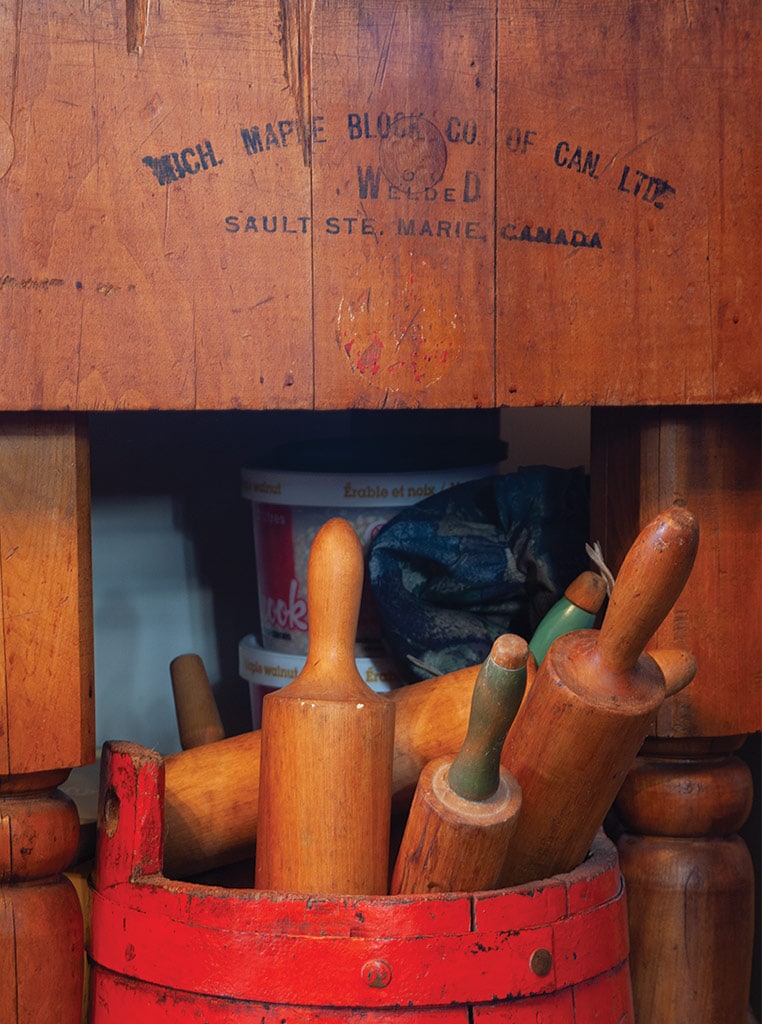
(591, 706)
(465, 809)
(325, 781)
(198, 718)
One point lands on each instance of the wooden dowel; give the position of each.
(198, 718)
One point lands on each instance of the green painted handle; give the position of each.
(577, 609)
(499, 687)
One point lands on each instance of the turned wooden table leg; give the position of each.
(690, 881)
(46, 710)
(689, 877)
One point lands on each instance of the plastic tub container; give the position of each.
(303, 486)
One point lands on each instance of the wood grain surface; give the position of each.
(710, 458)
(137, 267)
(329, 205)
(629, 128)
(404, 304)
(46, 631)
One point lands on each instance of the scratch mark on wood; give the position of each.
(154, 128)
(79, 352)
(404, 332)
(383, 59)
(711, 314)
(166, 218)
(609, 164)
(296, 43)
(137, 25)
(644, 142)
(96, 112)
(16, 62)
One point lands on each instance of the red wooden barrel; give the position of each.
(162, 950)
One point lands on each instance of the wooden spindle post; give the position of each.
(46, 710)
(689, 877)
(690, 881)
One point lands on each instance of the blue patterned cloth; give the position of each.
(453, 572)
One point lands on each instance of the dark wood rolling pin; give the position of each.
(325, 781)
(198, 718)
(592, 703)
(465, 809)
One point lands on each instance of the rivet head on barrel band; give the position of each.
(541, 962)
(376, 973)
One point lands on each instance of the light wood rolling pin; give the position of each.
(465, 809)
(591, 705)
(325, 781)
(198, 718)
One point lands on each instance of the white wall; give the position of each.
(149, 606)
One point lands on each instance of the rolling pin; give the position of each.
(464, 809)
(325, 780)
(576, 609)
(198, 718)
(592, 703)
(211, 802)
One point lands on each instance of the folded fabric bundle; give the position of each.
(453, 572)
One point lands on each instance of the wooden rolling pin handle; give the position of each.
(198, 718)
(334, 589)
(587, 592)
(649, 582)
(677, 666)
(499, 688)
